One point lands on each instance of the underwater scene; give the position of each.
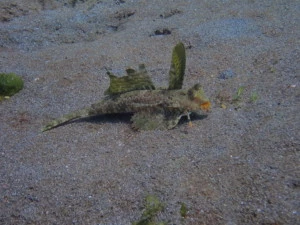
(123, 112)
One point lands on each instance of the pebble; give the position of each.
(226, 74)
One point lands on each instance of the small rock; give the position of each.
(164, 31)
(226, 74)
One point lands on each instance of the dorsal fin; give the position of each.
(176, 73)
(130, 71)
(134, 80)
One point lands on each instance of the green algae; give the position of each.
(152, 207)
(237, 97)
(10, 84)
(183, 210)
(254, 97)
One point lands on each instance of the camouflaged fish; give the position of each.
(152, 108)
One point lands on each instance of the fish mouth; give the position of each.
(205, 106)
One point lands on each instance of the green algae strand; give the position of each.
(152, 207)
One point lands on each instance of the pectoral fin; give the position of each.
(176, 73)
(146, 120)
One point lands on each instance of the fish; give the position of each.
(151, 108)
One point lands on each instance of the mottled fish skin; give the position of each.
(168, 102)
(135, 93)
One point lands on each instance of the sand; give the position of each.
(238, 165)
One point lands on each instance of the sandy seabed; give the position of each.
(238, 165)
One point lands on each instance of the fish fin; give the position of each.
(176, 73)
(172, 121)
(67, 118)
(154, 120)
(145, 120)
(130, 71)
(134, 80)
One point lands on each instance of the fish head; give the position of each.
(196, 95)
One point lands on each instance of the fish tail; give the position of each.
(67, 118)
